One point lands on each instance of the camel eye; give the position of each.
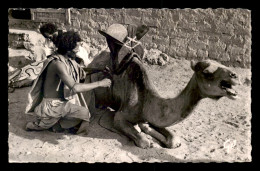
(208, 76)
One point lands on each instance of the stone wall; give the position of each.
(220, 34)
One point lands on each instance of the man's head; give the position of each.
(68, 42)
(47, 30)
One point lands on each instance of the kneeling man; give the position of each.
(55, 97)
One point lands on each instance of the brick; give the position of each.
(172, 51)
(187, 26)
(163, 33)
(132, 20)
(116, 19)
(226, 28)
(238, 41)
(217, 46)
(204, 26)
(181, 52)
(102, 11)
(178, 42)
(197, 45)
(153, 31)
(154, 22)
(161, 40)
(102, 18)
(174, 15)
(224, 57)
(172, 32)
(191, 53)
(162, 48)
(202, 53)
(237, 50)
(167, 23)
(155, 13)
(133, 13)
(213, 54)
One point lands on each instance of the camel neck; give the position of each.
(170, 111)
(189, 97)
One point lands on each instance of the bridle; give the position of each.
(130, 45)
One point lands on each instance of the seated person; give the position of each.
(25, 76)
(51, 34)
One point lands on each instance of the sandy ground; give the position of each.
(216, 131)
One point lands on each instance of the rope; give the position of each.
(129, 41)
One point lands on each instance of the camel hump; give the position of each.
(101, 60)
(139, 73)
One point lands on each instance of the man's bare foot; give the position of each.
(30, 126)
(84, 128)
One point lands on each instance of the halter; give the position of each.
(129, 41)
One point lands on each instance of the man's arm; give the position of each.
(77, 87)
(105, 71)
(91, 70)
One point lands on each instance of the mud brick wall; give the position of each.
(220, 34)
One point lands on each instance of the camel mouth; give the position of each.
(227, 87)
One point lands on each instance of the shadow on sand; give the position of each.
(101, 128)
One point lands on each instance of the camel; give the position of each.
(136, 101)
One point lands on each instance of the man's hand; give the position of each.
(105, 83)
(107, 72)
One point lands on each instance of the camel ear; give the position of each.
(192, 65)
(131, 30)
(210, 69)
(141, 31)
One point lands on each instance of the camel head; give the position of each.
(214, 79)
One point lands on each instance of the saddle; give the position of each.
(131, 48)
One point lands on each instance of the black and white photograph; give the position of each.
(129, 85)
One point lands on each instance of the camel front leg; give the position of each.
(127, 128)
(161, 134)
